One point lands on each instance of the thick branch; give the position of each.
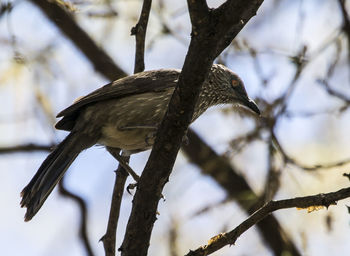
(63, 20)
(230, 238)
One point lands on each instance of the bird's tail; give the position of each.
(50, 173)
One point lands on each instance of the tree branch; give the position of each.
(65, 22)
(230, 238)
(26, 148)
(199, 59)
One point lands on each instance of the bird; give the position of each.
(125, 115)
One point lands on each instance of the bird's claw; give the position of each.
(131, 186)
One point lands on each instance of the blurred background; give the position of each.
(294, 59)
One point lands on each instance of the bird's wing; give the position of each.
(148, 81)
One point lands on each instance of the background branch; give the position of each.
(26, 148)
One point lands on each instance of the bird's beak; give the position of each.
(249, 103)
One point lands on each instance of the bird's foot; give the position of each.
(131, 186)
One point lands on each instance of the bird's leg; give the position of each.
(127, 167)
(123, 163)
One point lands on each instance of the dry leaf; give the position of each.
(312, 208)
(215, 238)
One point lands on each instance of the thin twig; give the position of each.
(333, 92)
(290, 160)
(300, 62)
(140, 33)
(230, 238)
(26, 148)
(109, 239)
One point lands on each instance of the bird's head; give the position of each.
(227, 87)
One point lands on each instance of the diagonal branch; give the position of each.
(230, 238)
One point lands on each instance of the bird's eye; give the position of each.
(234, 83)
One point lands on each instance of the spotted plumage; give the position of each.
(125, 114)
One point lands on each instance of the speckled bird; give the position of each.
(125, 115)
